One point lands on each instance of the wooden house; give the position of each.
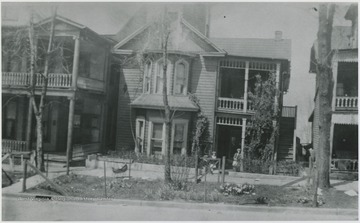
(219, 71)
(344, 120)
(78, 83)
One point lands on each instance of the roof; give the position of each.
(217, 51)
(74, 24)
(258, 48)
(155, 101)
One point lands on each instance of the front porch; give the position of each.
(344, 148)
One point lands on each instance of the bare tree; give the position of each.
(325, 84)
(39, 108)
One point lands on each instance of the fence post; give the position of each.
(129, 168)
(105, 177)
(11, 163)
(219, 169)
(24, 178)
(223, 170)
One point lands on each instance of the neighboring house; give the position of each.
(77, 96)
(344, 120)
(219, 71)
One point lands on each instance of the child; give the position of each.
(237, 156)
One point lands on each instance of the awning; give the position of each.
(345, 119)
(155, 101)
(347, 56)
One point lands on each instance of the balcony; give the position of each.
(17, 79)
(233, 105)
(346, 103)
(9, 146)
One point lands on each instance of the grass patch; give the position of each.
(140, 189)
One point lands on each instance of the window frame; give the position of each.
(141, 134)
(185, 136)
(186, 77)
(150, 138)
(158, 70)
(147, 76)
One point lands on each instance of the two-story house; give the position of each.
(219, 71)
(76, 99)
(344, 120)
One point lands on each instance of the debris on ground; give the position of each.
(351, 193)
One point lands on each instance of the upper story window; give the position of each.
(159, 77)
(147, 77)
(180, 78)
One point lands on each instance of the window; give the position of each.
(156, 143)
(147, 77)
(159, 78)
(140, 128)
(179, 137)
(84, 64)
(181, 73)
(9, 114)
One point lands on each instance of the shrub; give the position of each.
(236, 189)
(290, 168)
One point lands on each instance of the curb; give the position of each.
(189, 205)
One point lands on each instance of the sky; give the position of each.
(297, 21)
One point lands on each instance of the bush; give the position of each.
(290, 168)
(236, 189)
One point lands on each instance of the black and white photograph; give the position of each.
(179, 111)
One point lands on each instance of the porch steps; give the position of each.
(286, 138)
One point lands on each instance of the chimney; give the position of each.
(278, 35)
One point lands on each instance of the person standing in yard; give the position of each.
(236, 159)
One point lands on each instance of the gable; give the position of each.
(183, 38)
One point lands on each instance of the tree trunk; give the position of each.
(39, 110)
(325, 84)
(39, 144)
(167, 139)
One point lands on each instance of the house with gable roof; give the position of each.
(219, 71)
(344, 119)
(77, 90)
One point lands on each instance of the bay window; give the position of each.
(147, 77)
(180, 80)
(159, 77)
(157, 139)
(140, 130)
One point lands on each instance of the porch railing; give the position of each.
(344, 164)
(234, 104)
(9, 145)
(55, 80)
(346, 102)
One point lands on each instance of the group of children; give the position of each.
(235, 163)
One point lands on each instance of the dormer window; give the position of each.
(181, 75)
(147, 77)
(159, 77)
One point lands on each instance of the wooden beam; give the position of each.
(46, 179)
(69, 135)
(75, 69)
(246, 85)
(28, 126)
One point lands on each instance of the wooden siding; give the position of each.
(203, 84)
(130, 88)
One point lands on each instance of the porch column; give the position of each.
(246, 85)
(331, 141)
(335, 74)
(28, 126)
(75, 69)
(276, 104)
(70, 133)
(243, 142)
